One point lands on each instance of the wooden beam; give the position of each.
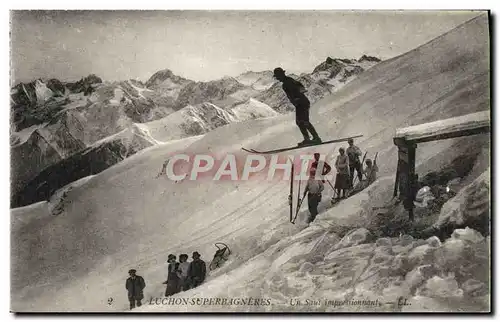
(450, 135)
(464, 125)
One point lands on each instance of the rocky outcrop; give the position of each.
(471, 207)
(85, 85)
(39, 101)
(369, 58)
(331, 66)
(29, 158)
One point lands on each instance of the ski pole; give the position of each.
(299, 202)
(330, 184)
(298, 206)
(333, 188)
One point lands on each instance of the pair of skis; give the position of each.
(301, 146)
(290, 198)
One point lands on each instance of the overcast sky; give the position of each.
(205, 45)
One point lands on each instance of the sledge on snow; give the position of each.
(221, 256)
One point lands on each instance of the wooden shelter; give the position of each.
(406, 139)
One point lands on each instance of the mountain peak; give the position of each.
(329, 64)
(369, 58)
(164, 75)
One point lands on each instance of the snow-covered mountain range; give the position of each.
(53, 123)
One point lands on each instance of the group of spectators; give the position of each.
(184, 275)
(181, 276)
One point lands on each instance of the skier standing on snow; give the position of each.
(294, 90)
(135, 285)
(163, 169)
(354, 153)
(314, 188)
(197, 270)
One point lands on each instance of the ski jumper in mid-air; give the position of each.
(295, 92)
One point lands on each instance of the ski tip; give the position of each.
(251, 151)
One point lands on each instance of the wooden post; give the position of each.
(401, 168)
(412, 179)
(405, 177)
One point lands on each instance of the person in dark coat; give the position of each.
(197, 270)
(294, 90)
(135, 285)
(173, 280)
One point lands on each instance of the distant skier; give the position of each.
(342, 180)
(173, 280)
(197, 270)
(295, 92)
(163, 170)
(183, 272)
(135, 285)
(354, 153)
(314, 188)
(321, 165)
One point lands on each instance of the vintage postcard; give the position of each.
(250, 161)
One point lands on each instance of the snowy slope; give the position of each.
(252, 109)
(123, 218)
